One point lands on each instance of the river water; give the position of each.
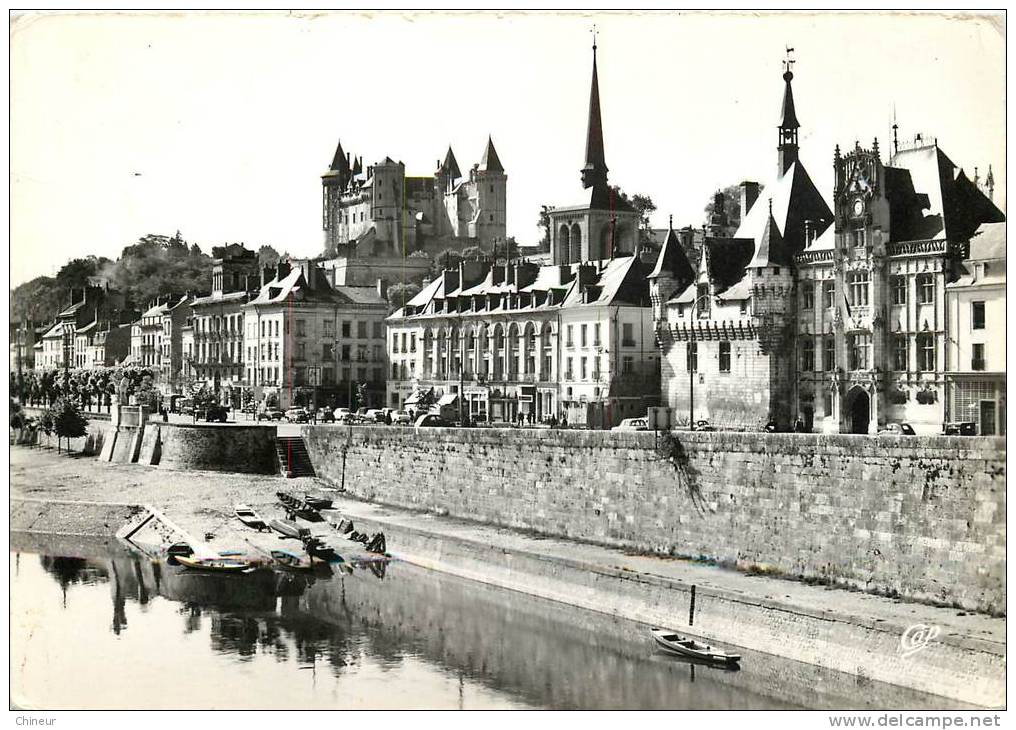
(93, 626)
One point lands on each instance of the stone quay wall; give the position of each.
(916, 517)
(246, 449)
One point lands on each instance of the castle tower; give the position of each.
(490, 184)
(672, 274)
(594, 172)
(387, 204)
(333, 182)
(787, 148)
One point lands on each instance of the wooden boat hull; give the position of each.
(249, 517)
(217, 565)
(685, 646)
(290, 529)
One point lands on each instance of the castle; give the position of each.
(374, 217)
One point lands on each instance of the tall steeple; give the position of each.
(787, 148)
(990, 184)
(594, 172)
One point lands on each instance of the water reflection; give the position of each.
(415, 639)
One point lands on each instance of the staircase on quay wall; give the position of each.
(294, 461)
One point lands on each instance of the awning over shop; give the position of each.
(419, 396)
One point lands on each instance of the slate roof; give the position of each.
(795, 199)
(931, 197)
(727, 260)
(490, 162)
(673, 260)
(988, 243)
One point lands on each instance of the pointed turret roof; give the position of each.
(450, 167)
(357, 165)
(594, 172)
(673, 261)
(339, 162)
(490, 162)
(770, 250)
(788, 116)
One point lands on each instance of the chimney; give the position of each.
(749, 194)
(564, 274)
(267, 274)
(451, 280)
(471, 272)
(382, 288)
(525, 273)
(587, 275)
(497, 274)
(283, 269)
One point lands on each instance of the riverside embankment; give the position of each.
(841, 631)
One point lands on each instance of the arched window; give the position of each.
(576, 244)
(563, 250)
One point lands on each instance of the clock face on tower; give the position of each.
(858, 207)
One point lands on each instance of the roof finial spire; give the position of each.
(594, 38)
(670, 225)
(788, 64)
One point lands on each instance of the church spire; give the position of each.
(594, 172)
(788, 124)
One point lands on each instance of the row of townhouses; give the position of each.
(886, 306)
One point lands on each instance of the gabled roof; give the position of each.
(490, 162)
(623, 281)
(795, 199)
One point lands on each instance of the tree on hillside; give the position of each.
(731, 206)
(158, 265)
(38, 300)
(76, 272)
(400, 294)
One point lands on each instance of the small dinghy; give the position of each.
(249, 517)
(177, 549)
(291, 560)
(318, 548)
(220, 565)
(690, 648)
(290, 529)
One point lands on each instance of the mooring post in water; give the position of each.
(691, 608)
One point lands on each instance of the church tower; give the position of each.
(788, 125)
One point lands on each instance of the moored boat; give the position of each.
(318, 548)
(688, 647)
(290, 529)
(288, 559)
(220, 565)
(249, 517)
(317, 503)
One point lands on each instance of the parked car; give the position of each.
(270, 414)
(960, 428)
(428, 420)
(325, 415)
(897, 429)
(401, 418)
(374, 415)
(216, 413)
(704, 425)
(297, 415)
(632, 424)
(340, 412)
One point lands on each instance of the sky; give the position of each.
(219, 125)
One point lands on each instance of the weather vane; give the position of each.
(789, 61)
(593, 31)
